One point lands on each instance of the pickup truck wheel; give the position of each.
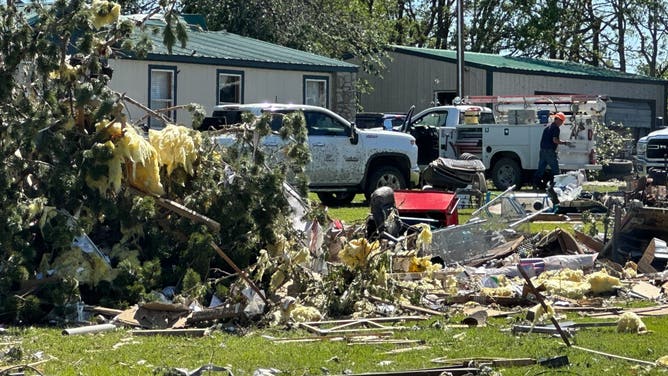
(505, 173)
(336, 198)
(385, 176)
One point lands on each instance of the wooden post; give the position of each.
(540, 299)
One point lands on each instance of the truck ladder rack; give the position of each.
(532, 99)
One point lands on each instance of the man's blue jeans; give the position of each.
(548, 157)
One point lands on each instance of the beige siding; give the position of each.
(412, 80)
(196, 83)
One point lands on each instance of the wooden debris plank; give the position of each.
(454, 371)
(407, 349)
(646, 290)
(104, 310)
(360, 330)
(334, 337)
(661, 310)
(339, 325)
(587, 309)
(214, 314)
(378, 319)
(588, 241)
(171, 332)
(645, 262)
(408, 306)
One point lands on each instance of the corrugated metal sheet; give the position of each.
(521, 63)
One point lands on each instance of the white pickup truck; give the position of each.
(652, 152)
(344, 160)
(506, 135)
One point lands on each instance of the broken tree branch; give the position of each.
(241, 273)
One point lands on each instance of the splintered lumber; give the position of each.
(588, 241)
(104, 310)
(409, 307)
(213, 314)
(660, 310)
(540, 299)
(406, 349)
(171, 332)
(357, 326)
(379, 337)
(497, 362)
(454, 371)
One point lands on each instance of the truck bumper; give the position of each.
(642, 165)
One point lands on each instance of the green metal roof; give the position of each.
(223, 48)
(525, 65)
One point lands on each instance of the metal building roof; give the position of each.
(524, 64)
(223, 48)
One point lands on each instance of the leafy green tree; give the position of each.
(331, 28)
(60, 130)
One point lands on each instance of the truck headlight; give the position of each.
(641, 148)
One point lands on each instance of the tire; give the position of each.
(617, 168)
(506, 173)
(384, 176)
(467, 157)
(334, 199)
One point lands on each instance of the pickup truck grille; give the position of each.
(657, 148)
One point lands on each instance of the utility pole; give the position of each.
(460, 48)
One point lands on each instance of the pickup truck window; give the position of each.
(320, 124)
(433, 119)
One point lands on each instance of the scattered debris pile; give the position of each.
(355, 284)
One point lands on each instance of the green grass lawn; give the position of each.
(121, 353)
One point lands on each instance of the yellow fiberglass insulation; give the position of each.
(422, 264)
(567, 283)
(662, 361)
(503, 291)
(357, 252)
(142, 162)
(540, 311)
(301, 313)
(128, 148)
(177, 146)
(425, 236)
(104, 13)
(601, 282)
(629, 322)
(86, 268)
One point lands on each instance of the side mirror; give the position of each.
(354, 136)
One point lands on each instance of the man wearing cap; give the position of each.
(548, 149)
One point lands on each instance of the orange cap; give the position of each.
(560, 115)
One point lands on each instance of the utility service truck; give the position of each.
(505, 131)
